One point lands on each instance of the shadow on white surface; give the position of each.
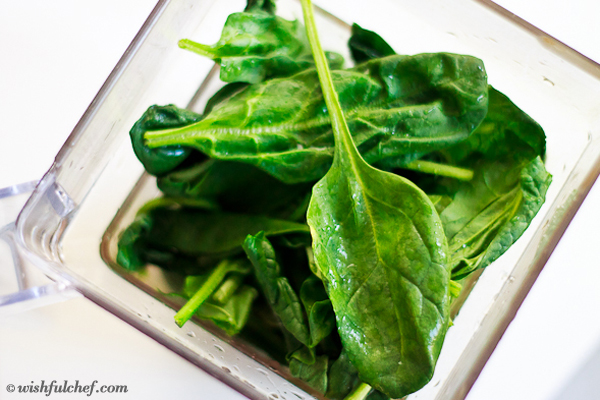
(585, 382)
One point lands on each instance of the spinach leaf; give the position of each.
(377, 395)
(231, 315)
(440, 202)
(134, 251)
(256, 45)
(336, 379)
(131, 245)
(264, 5)
(276, 288)
(236, 187)
(315, 374)
(342, 378)
(302, 334)
(489, 213)
(206, 286)
(298, 351)
(263, 330)
(398, 108)
(380, 246)
(190, 239)
(506, 132)
(224, 94)
(164, 159)
(196, 232)
(366, 45)
(321, 319)
(227, 288)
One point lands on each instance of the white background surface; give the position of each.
(54, 56)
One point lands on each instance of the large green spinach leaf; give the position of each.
(191, 239)
(256, 45)
(489, 213)
(398, 107)
(506, 133)
(380, 246)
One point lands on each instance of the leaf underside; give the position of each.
(398, 107)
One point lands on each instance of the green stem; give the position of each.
(429, 167)
(341, 131)
(213, 281)
(228, 288)
(198, 48)
(172, 136)
(455, 288)
(359, 393)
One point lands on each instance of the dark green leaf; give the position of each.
(195, 232)
(175, 202)
(188, 239)
(293, 241)
(276, 288)
(377, 395)
(506, 132)
(300, 353)
(134, 251)
(164, 159)
(489, 213)
(398, 108)
(130, 247)
(381, 248)
(267, 6)
(366, 45)
(314, 374)
(237, 187)
(342, 378)
(263, 330)
(178, 262)
(321, 319)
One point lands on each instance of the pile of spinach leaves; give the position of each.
(329, 214)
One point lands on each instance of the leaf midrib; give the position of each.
(381, 262)
(181, 136)
(490, 204)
